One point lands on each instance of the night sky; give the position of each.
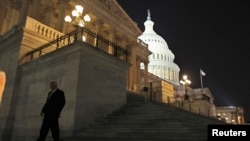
(211, 35)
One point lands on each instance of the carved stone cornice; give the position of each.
(115, 10)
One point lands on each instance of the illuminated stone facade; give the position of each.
(201, 101)
(43, 21)
(161, 61)
(163, 77)
(230, 114)
(28, 25)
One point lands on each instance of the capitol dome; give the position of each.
(161, 61)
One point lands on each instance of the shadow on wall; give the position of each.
(2, 84)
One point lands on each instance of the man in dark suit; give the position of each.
(51, 112)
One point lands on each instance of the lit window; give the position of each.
(84, 38)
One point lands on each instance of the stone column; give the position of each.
(12, 16)
(98, 26)
(123, 43)
(98, 31)
(61, 14)
(168, 73)
(138, 81)
(23, 13)
(111, 38)
(131, 61)
(35, 9)
(146, 74)
(174, 75)
(49, 9)
(134, 70)
(3, 12)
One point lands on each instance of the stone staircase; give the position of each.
(147, 121)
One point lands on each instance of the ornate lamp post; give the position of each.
(77, 19)
(185, 82)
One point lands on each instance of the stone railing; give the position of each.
(82, 34)
(41, 29)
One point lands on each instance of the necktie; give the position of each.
(49, 95)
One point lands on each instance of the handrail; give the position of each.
(91, 38)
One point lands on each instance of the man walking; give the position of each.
(51, 112)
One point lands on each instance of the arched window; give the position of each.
(2, 84)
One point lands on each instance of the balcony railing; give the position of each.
(83, 34)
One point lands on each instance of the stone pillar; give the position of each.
(3, 12)
(61, 14)
(131, 57)
(49, 9)
(138, 81)
(6, 20)
(111, 38)
(174, 74)
(146, 74)
(98, 26)
(13, 15)
(23, 13)
(134, 70)
(35, 9)
(169, 74)
(98, 30)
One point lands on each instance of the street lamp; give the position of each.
(77, 19)
(185, 82)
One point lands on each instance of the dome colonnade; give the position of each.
(161, 61)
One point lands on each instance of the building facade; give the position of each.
(46, 18)
(161, 61)
(37, 45)
(230, 114)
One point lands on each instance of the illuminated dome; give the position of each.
(161, 61)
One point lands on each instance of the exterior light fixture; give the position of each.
(185, 82)
(77, 19)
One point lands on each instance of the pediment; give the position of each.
(208, 93)
(119, 13)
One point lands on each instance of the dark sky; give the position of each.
(211, 35)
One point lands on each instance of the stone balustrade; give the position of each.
(42, 29)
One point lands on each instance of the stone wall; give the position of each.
(94, 84)
(102, 84)
(9, 52)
